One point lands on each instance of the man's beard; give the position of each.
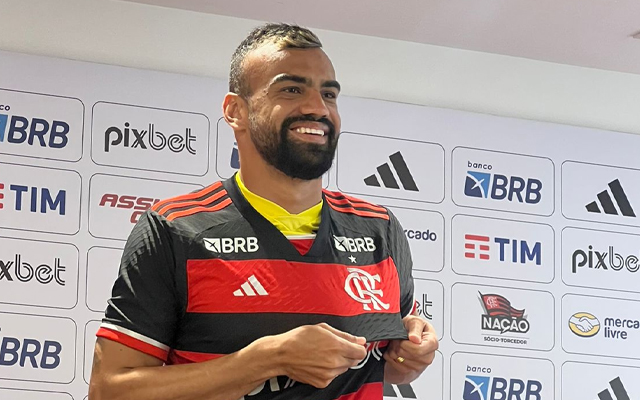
(294, 158)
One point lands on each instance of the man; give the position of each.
(249, 286)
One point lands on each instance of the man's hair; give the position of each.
(284, 36)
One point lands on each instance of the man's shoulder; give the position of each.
(354, 207)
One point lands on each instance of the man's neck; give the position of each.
(294, 195)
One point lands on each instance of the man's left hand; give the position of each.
(406, 359)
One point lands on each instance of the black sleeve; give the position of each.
(401, 255)
(143, 310)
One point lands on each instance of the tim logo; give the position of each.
(605, 204)
(17, 129)
(33, 199)
(354, 245)
(20, 270)
(138, 204)
(498, 388)
(232, 245)
(361, 286)
(501, 317)
(501, 187)
(148, 138)
(618, 389)
(386, 173)
(509, 250)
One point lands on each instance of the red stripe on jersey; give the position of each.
(133, 343)
(351, 210)
(280, 286)
(302, 245)
(190, 196)
(188, 357)
(203, 202)
(223, 204)
(355, 202)
(368, 391)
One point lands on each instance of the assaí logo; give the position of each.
(603, 260)
(34, 131)
(19, 270)
(148, 138)
(481, 384)
(501, 317)
(138, 204)
(587, 325)
(490, 185)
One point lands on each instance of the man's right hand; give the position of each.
(317, 354)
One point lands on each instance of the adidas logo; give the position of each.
(387, 175)
(399, 391)
(252, 287)
(607, 203)
(619, 391)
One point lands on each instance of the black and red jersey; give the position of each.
(204, 275)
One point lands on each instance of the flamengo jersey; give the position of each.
(204, 275)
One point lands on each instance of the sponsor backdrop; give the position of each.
(525, 235)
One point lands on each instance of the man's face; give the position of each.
(293, 113)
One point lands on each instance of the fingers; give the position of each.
(344, 335)
(415, 326)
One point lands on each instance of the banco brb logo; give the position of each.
(18, 129)
(361, 286)
(495, 186)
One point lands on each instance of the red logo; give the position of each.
(138, 204)
(476, 246)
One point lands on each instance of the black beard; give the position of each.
(306, 161)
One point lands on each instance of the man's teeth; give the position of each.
(311, 131)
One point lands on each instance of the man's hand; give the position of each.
(317, 354)
(406, 359)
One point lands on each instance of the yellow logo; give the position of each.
(584, 324)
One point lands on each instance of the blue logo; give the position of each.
(33, 199)
(475, 387)
(17, 129)
(477, 184)
(502, 187)
(30, 353)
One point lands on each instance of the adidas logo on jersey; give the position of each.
(232, 245)
(354, 245)
(252, 287)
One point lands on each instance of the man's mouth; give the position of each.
(312, 131)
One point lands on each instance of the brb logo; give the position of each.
(232, 245)
(33, 199)
(138, 204)
(603, 260)
(25, 272)
(354, 245)
(18, 129)
(509, 250)
(156, 140)
(361, 286)
(482, 387)
(501, 187)
(29, 353)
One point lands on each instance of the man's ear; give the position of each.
(235, 111)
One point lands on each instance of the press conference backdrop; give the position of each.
(525, 235)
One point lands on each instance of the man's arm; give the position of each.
(309, 354)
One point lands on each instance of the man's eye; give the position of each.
(292, 90)
(330, 95)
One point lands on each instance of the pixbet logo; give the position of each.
(232, 245)
(354, 245)
(33, 199)
(25, 272)
(29, 353)
(603, 260)
(18, 129)
(155, 140)
(509, 250)
(501, 187)
(138, 204)
(483, 387)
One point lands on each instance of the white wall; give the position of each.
(141, 36)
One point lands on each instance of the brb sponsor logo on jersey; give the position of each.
(37, 348)
(501, 317)
(41, 126)
(232, 245)
(587, 325)
(481, 384)
(502, 181)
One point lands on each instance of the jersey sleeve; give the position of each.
(143, 310)
(401, 255)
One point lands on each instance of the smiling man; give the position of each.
(265, 286)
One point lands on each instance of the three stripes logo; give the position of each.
(476, 246)
(618, 389)
(252, 287)
(606, 203)
(399, 391)
(386, 174)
